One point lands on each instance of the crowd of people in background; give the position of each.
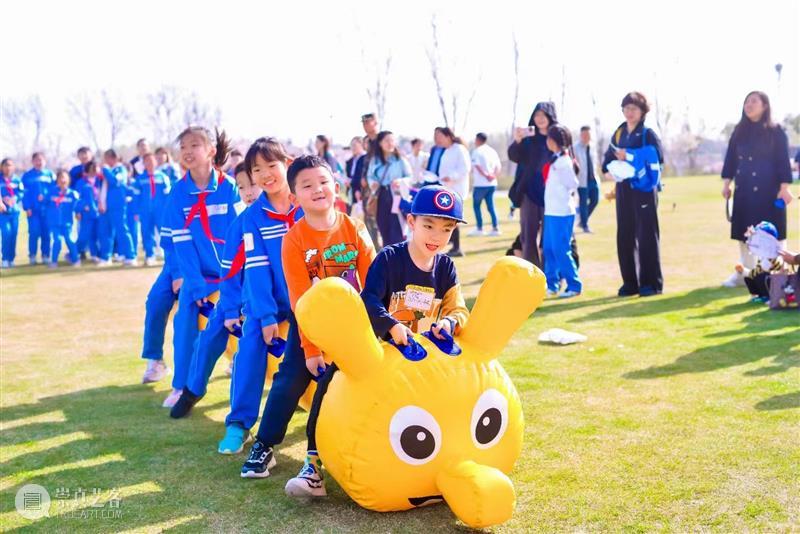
(105, 210)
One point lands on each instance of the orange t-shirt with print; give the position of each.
(345, 250)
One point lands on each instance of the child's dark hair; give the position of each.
(482, 137)
(162, 150)
(416, 141)
(302, 163)
(111, 153)
(637, 99)
(61, 172)
(381, 136)
(37, 154)
(563, 138)
(84, 150)
(90, 166)
(268, 148)
(241, 168)
(6, 161)
(221, 142)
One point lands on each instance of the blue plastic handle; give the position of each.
(277, 347)
(206, 309)
(447, 345)
(780, 203)
(413, 351)
(237, 331)
(320, 372)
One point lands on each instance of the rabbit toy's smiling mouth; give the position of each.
(422, 501)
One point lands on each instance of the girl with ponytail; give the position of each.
(561, 185)
(200, 209)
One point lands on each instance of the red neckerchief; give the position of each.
(152, 185)
(93, 183)
(60, 198)
(236, 266)
(7, 180)
(288, 218)
(200, 209)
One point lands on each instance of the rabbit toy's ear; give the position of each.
(513, 289)
(332, 315)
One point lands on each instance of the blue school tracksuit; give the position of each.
(197, 220)
(37, 183)
(75, 174)
(160, 300)
(151, 194)
(113, 223)
(61, 207)
(11, 193)
(213, 340)
(88, 230)
(133, 217)
(266, 302)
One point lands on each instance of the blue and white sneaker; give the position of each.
(234, 441)
(260, 461)
(307, 483)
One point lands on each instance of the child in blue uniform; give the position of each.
(88, 188)
(77, 171)
(201, 208)
(37, 182)
(61, 204)
(10, 206)
(113, 207)
(213, 340)
(152, 189)
(266, 297)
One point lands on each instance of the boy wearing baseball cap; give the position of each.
(413, 287)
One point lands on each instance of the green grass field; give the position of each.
(680, 413)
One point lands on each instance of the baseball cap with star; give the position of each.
(438, 201)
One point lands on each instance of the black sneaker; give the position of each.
(625, 291)
(184, 404)
(260, 461)
(648, 291)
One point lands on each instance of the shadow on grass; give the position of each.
(656, 305)
(168, 472)
(780, 402)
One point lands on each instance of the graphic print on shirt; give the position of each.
(417, 307)
(336, 260)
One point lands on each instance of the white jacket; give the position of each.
(456, 164)
(560, 188)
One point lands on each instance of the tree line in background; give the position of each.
(101, 118)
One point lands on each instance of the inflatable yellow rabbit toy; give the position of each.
(397, 432)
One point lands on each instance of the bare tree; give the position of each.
(119, 118)
(600, 135)
(516, 82)
(563, 86)
(82, 112)
(15, 123)
(35, 110)
(196, 112)
(165, 109)
(458, 113)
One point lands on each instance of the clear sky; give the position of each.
(295, 69)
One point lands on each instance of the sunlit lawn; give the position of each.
(680, 413)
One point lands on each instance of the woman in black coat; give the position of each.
(529, 151)
(757, 160)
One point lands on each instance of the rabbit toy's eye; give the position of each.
(415, 435)
(489, 419)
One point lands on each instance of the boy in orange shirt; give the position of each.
(325, 242)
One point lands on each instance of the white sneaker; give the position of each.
(568, 294)
(117, 258)
(156, 370)
(76, 265)
(172, 398)
(32, 260)
(150, 262)
(5, 264)
(475, 232)
(551, 294)
(307, 483)
(104, 263)
(495, 232)
(130, 263)
(734, 280)
(52, 265)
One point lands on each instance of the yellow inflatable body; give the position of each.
(397, 433)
